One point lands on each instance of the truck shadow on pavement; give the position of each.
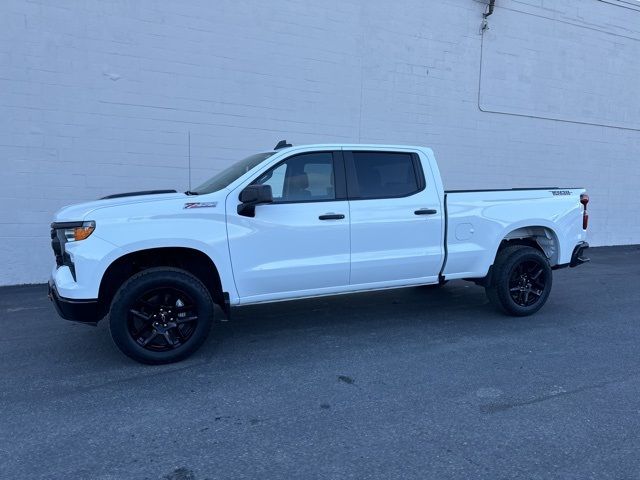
(450, 312)
(432, 314)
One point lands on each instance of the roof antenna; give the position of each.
(282, 144)
(189, 150)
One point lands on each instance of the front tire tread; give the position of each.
(146, 279)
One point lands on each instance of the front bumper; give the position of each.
(84, 311)
(578, 258)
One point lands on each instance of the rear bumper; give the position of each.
(84, 311)
(578, 258)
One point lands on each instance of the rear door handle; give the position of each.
(426, 211)
(331, 216)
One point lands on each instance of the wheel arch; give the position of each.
(541, 237)
(189, 259)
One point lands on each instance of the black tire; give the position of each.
(161, 315)
(521, 280)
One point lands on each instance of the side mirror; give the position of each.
(251, 196)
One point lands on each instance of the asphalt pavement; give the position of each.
(421, 383)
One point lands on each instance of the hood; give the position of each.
(80, 211)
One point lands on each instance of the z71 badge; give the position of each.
(200, 205)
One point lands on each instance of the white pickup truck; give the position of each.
(301, 222)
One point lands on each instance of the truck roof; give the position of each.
(373, 146)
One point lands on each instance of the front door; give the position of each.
(299, 244)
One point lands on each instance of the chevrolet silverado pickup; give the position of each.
(301, 222)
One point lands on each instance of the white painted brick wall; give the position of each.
(98, 96)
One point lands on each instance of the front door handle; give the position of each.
(331, 216)
(426, 211)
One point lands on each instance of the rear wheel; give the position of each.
(521, 280)
(161, 315)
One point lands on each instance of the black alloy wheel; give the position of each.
(161, 315)
(527, 282)
(520, 281)
(162, 319)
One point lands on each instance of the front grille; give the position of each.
(57, 247)
(58, 242)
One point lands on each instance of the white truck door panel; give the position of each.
(396, 224)
(299, 243)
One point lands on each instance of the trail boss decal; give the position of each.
(560, 192)
(200, 205)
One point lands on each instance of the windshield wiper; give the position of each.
(189, 192)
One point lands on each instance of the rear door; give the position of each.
(396, 218)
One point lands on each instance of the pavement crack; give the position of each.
(502, 406)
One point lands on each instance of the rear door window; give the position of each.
(383, 174)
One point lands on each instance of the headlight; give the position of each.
(80, 231)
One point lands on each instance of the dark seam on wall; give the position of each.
(578, 122)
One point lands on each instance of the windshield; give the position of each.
(225, 177)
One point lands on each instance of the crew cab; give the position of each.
(297, 222)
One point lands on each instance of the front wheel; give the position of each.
(161, 315)
(521, 280)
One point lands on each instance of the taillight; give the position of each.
(584, 200)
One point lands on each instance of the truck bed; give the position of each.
(475, 218)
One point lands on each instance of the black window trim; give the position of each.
(339, 174)
(353, 190)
